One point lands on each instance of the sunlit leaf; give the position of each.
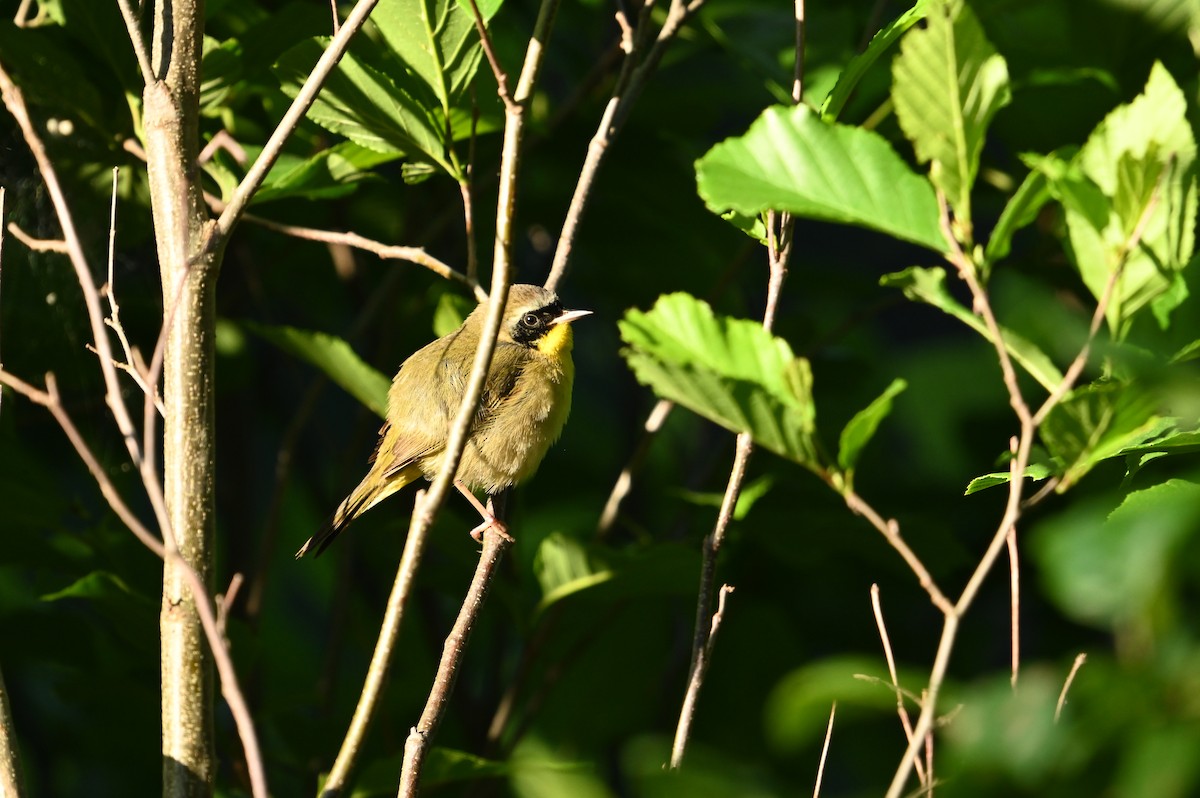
(1034, 471)
(731, 371)
(334, 357)
(790, 160)
(330, 173)
(948, 84)
(1021, 210)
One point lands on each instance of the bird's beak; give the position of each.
(569, 316)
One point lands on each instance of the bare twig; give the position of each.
(493, 61)
(1014, 581)
(38, 244)
(612, 507)
(891, 531)
(381, 659)
(824, 752)
(300, 105)
(225, 602)
(10, 764)
(137, 40)
(1062, 696)
(642, 58)
(699, 670)
(891, 663)
(21, 18)
(494, 546)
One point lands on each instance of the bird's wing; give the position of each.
(507, 365)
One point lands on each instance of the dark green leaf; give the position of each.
(859, 430)
(334, 358)
(789, 160)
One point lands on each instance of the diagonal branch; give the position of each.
(291, 119)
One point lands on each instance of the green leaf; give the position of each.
(562, 568)
(1035, 471)
(790, 160)
(1108, 571)
(42, 64)
(731, 371)
(99, 586)
(436, 40)
(858, 66)
(335, 358)
(1021, 210)
(860, 429)
(221, 69)
(1097, 422)
(1143, 152)
(752, 226)
(948, 84)
(929, 285)
(362, 103)
(330, 173)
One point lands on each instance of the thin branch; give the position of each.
(824, 752)
(415, 748)
(381, 659)
(698, 671)
(891, 663)
(138, 41)
(642, 58)
(1014, 586)
(1062, 696)
(10, 764)
(490, 51)
(291, 119)
(624, 483)
(38, 244)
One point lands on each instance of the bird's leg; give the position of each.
(489, 518)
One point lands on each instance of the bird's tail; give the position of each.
(369, 492)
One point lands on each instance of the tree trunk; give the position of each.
(189, 276)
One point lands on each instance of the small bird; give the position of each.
(525, 402)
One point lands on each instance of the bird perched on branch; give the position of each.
(525, 402)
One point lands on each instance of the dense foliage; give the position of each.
(1071, 157)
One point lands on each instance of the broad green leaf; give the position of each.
(948, 83)
(860, 429)
(562, 567)
(1135, 173)
(99, 586)
(330, 173)
(858, 66)
(1035, 471)
(1021, 210)
(752, 226)
(929, 285)
(365, 105)
(436, 40)
(221, 69)
(731, 371)
(1108, 571)
(1094, 423)
(335, 358)
(790, 160)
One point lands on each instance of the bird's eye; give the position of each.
(531, 320)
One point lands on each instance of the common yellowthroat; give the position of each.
(525, 403)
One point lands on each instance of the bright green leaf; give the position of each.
(329, 173)
(1094, 423)
(436, 40)
(452, 309)
(367, 106)
(334, 358)
(929, 285)
(790, 160)
(563, 568)
(1035, 471)
(1022, 209)
(858, 66)
(1134, 173)
(731, 371)
(948, 84)
(860, 429)
(100, 586)
(750, 493)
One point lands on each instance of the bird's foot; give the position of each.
(494, 524)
